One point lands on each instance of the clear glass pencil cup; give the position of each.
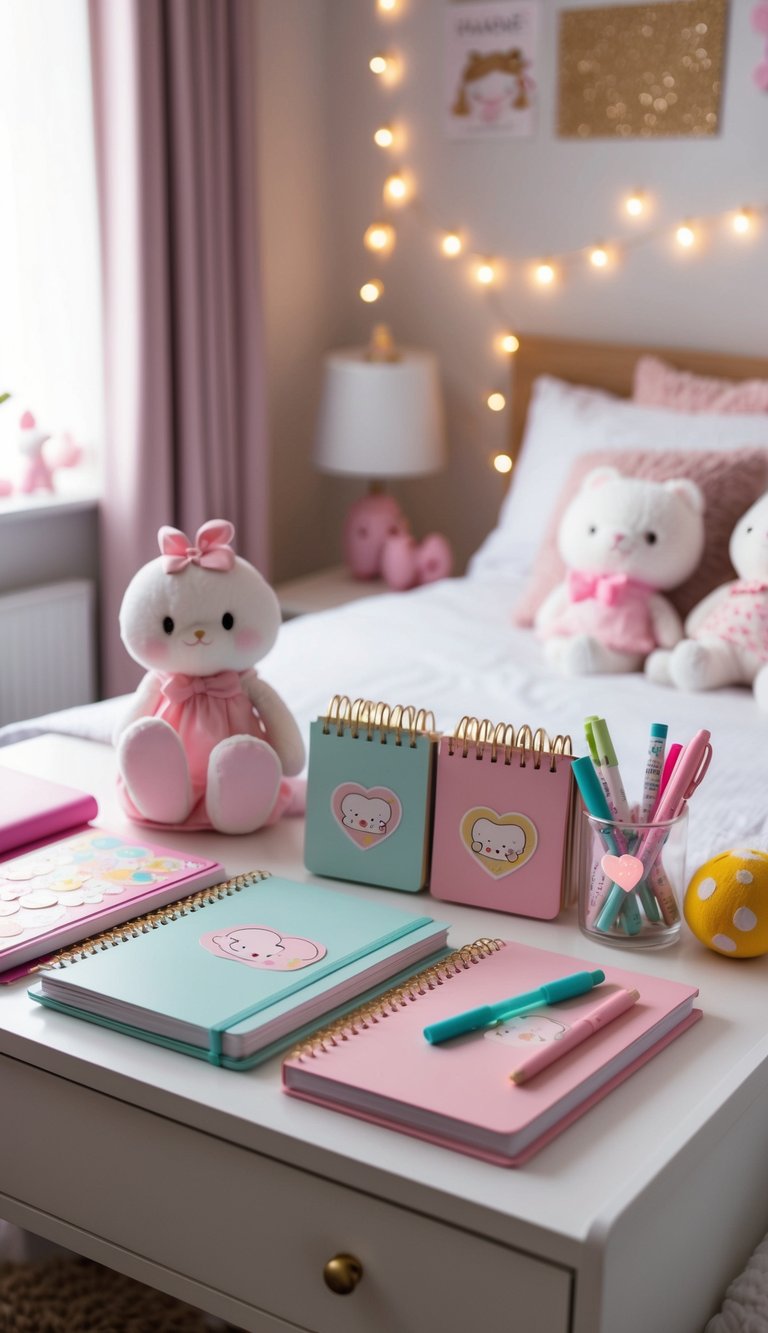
(631, 881)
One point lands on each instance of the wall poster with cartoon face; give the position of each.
(490, 87)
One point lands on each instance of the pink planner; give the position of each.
(62, 880)
(504, 822)
(376, 1063)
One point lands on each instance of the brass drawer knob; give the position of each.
(342, 1273)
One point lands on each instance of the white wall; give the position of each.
(523, 198)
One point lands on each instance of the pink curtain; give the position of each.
(186, 432)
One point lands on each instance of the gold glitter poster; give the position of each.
(641, 71)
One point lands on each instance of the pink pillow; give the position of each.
(657, 384)
(730, 483)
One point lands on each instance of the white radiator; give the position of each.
(47, 649)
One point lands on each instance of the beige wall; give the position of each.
(519, 198)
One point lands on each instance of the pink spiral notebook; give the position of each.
(61, 880)
(376, 1063)
(505, 819)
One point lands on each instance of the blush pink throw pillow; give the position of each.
(730, 483)
(657, 384)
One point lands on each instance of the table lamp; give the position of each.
(380, 416)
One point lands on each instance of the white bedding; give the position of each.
(451, 647)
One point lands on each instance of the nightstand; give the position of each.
(324, 590)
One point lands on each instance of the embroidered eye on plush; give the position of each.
(749, 529)
(592, 529)
(651, 538)
(228, 620)
(168, 625)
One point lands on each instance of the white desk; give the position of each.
(218, 1188)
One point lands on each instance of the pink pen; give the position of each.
(688, 772)
(658, 878)
(669, 764)
(583, 1028)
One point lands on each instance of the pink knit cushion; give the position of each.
(658, 384)
(730, 482)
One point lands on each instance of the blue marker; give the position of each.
(597, 805)
(552, 992)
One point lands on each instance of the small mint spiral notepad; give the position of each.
(369, 793)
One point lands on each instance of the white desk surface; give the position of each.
(678, 1105)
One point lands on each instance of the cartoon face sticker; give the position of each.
(367, 815)
(263, 947)
(502, 842)
(498, 843)
(527, 1031)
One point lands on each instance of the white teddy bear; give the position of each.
(622, 538)
(206, 743)
(727, 633)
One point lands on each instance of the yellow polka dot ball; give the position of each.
(726, 903)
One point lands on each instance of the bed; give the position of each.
(453, 647)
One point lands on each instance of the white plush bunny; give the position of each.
(622, 539)
(727, 633)
(206, 743)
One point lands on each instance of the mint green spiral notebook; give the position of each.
(235, 973)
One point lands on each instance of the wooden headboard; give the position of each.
(607, 366)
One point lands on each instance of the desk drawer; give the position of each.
(254, 1228)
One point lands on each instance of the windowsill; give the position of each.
(73, 493)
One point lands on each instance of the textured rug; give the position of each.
(77, 1296)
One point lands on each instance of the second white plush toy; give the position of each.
(727, 633)
(622, 539)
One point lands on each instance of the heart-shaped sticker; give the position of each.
(626, 870)
(500, 844)
(368, 815)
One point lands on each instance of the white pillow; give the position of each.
(566, 420)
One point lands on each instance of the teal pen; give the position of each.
(552, 992)
(594, 798)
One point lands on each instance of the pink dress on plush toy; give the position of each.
(612, 607)
(740, 618)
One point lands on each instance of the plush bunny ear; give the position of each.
(598, 477)
(688, 491)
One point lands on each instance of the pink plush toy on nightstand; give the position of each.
(206, 743)
(37, 475)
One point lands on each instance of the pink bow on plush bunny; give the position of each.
(211, 549)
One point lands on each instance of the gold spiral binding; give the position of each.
(397, 997)
(368, 720)
(141, 925)
(506, 745)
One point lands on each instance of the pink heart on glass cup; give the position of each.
(626, 870)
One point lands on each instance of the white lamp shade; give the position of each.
(380, 418)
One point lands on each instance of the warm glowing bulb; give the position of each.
(508, 343)
(496, 401)
(545, 274)
(378, 64)
(379, 237)
(485, 273)
(742, 221)
(371, 291)
(395, 189)
(598, 257)
(502, 463)
(384, 136)
(635, 204)
(387, 6)
(451, 244)
(685, 236)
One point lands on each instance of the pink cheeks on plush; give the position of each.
(247, 639)
(152, 651)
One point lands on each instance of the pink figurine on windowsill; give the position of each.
(36, 475)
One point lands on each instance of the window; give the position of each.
(50, 315)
